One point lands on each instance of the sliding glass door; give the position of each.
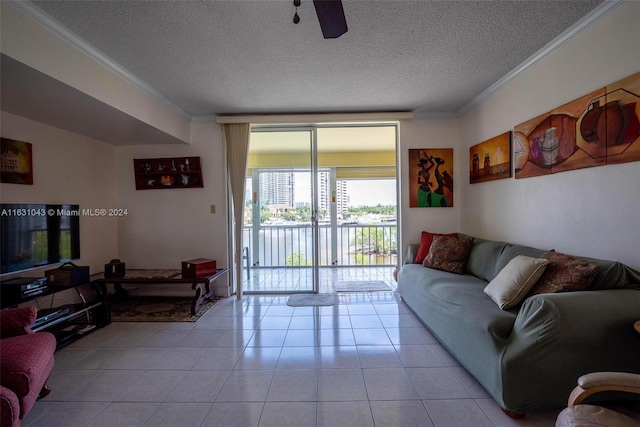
(321, 202)
(281, 217)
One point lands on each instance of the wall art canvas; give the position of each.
(597, 129)
(431, 177)
(16, 162)
(622, 112)
(490, 160)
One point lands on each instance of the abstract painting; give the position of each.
(600, 128)
(490, 160)
(431, 177)
(16, 162)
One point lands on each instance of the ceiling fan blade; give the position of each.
(331, 16)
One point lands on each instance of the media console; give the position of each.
(67, 322)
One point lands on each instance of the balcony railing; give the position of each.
(291, 245)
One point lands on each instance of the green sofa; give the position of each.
(528, 357)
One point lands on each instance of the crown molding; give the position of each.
(595, 16)
(83, 46)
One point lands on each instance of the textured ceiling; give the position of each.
(240, 56)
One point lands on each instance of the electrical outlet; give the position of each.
(213, 209)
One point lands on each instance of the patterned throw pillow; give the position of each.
(564, 273)
(425, 244)
(449, 253)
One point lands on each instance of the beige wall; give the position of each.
(428, 133)
(165, 227)
(591, 212)
(69, 168)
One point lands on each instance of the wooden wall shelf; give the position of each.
(167, 172)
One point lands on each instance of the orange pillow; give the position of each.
(425, 245)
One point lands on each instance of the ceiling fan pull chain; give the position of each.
(296, 18)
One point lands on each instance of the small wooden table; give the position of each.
(203, 285)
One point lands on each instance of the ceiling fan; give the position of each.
(330, 15)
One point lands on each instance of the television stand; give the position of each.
(67, 322)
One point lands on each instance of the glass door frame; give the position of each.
(313, 171)
(313, 128)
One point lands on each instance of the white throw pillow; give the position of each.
(515, 280)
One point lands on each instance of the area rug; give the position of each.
(303, 300)
(362, 286)
(156, 309)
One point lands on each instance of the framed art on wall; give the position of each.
(16, 162)
(431, 177)
(490, 160)
(600, 128)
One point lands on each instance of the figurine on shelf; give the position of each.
(146, 167)
(181, 167)
(186, 164)
(160, 168)
(173, 166)
(185, 179)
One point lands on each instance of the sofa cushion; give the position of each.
(425, 244)
(513, 283)
(512, 251)
(565, 273)
(484, 258)
(449, 253)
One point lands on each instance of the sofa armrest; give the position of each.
(9, 407)
(588, 315)
(410, 254)
(557, 338)
(16, 321)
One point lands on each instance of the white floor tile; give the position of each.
(257, 361)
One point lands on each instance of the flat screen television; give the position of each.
(36, 235)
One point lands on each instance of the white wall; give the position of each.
(68, 168)
(428, 133)
(591, 212)
(167, 226)
(32, 44)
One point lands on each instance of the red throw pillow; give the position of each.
(425, 245)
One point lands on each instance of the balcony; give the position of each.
(278, 257)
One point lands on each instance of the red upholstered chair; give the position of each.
(26, 360)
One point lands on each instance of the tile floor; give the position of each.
(259, 362)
